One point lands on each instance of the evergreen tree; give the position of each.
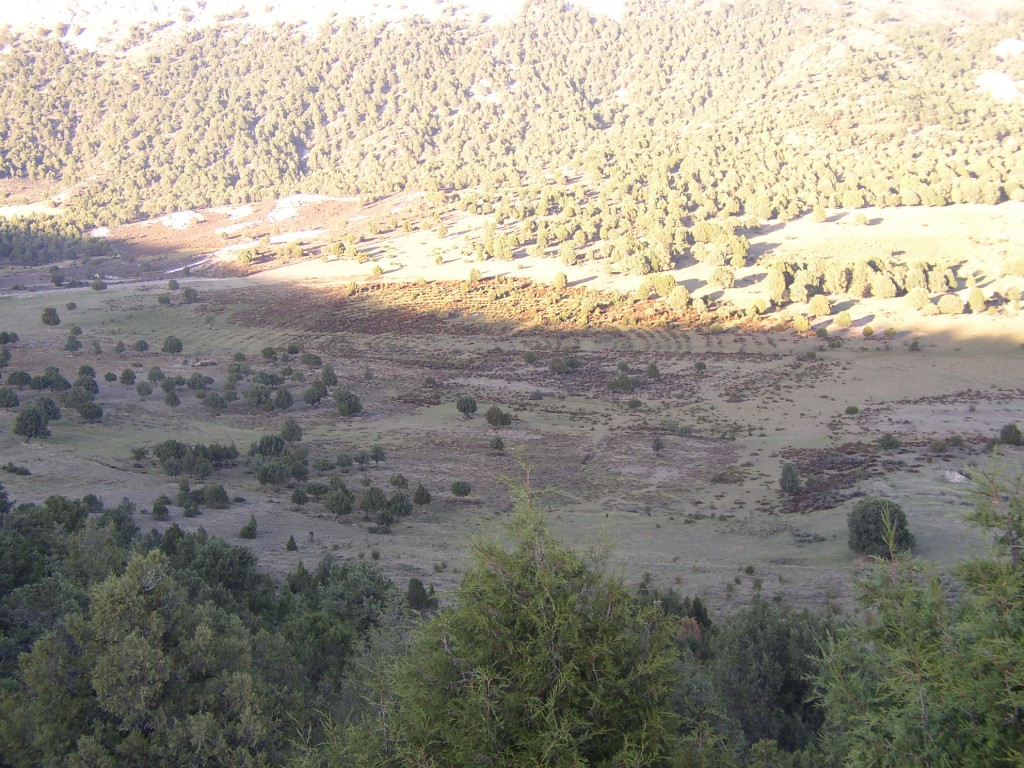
(543, 660)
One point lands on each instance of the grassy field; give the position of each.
(704, 513)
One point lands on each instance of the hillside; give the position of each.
(668, 111)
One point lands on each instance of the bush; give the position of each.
(789, 480)
(867, 524)
(347, 402)
(291, 546)
(249, 529)
(160, 510)
(172, 345)
(819, 306)
(460, 488)
(497, 417)
(496, 444)
(1010, 435)
(421, 497)
(950, 305)
(852, 410)
(889, 442)
(466, 405)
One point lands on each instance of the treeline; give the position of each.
(760, 108)
(38, 239)
(119, 647)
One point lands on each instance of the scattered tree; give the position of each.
(466, 405)
(789, 480)
(875, 524)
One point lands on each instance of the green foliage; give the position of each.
(373, 501)
(347, 402)
(291, 432)
(889, 442)
(460, 488)
(466, 405)
(339, 501)
(172, 345)
(8, 398)
(497, 417)
(315, 393)
(249, 529)
(421, 497)
(762, 658)
(506, 675)
(878, 527)
(926, 682)
(32, 422)
(418, 598)
(789, 480)
(1010, 434)
(50, 316)
(291, 546)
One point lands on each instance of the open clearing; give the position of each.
(412, 339)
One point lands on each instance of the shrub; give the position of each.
(496, 444)
(460, 488)
(299, 496)
(868, 331)
(421, 497)
(160, 510)
(950, 305)
(347, 402)
(1010, 435)
(852, 410)
(172, 345)
(8, 398)
(819, 306)
(466, 405)
(868, 522)
(497, 417)
(889, 442)
(789, 480)
(249, 529)
(291, 546)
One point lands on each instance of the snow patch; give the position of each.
(291, 237)
(233, 212)
(288, 207)
(1001, 86)
(1007, 49)
(181, 219)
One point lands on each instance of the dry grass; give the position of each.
(694, 516)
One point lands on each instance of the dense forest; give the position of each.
(765, 109)
(120, 647)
